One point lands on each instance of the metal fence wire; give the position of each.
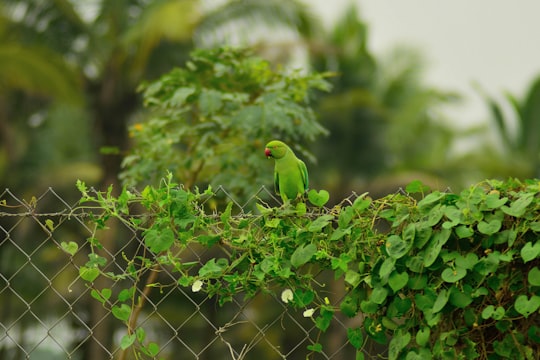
(48, 313)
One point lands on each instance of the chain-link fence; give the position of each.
(47, 311)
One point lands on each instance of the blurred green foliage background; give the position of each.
(70, 70)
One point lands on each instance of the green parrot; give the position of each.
(290, 173)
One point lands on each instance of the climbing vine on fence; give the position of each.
(434, 274)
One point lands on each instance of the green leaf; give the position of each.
(126, 294)
(499, 313)
(368, 307)
(159, 240)
(70, 247)
(493, 201)
(399, 341)
(213, 268)
(453, 275)
(141, 334)
(127, 341)
(379, 294)
(356, 337)
(315, 347)
(102, 295)
(416, 186)
(435, 245)
(319, 223)
(322, 322)
(339, 233)
(535, 226)
(464, 231)
(345, 217)
(430, 200)
(435, 215)
(488, 311)
(422, 336)
(417, 282)
(468, 261)
(530, 252)
(526, 306)
(386, 267)
(348, 306)
(303, 254)
(152, 348)
(88, 274)
(397, 247)
(518, 207)
(318, 198)
(459, 299)
(49, 224)
(352, 277)
(489, 228)
(534, 276)
(441, 301)
(361, 204)
(121, 312)
(398, 281)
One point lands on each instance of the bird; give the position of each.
(290, 173)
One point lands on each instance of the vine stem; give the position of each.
(142, 300)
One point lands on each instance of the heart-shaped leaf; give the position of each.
(458, 298)
(422, 336)
(88, 274)
(397, 247)
(518, 207)
(489, 228)
(534, 276)
(70, 247)
(467, 262)
(356, 337)
(303, 254)
(121, 312)
(127, 341)
(397, 281)
(319, 198)
(378, 295)
(526, 306)
(453, 275)
(398, 342)
(530, 252)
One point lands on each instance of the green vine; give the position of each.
(435, 275)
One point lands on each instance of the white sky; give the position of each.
(495, 43)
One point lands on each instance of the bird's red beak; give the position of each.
(267, 152)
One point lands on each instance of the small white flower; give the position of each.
(287, 295)
(309, 312)
(197, 286)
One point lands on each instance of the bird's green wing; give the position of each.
(276, 182)
(303, 171)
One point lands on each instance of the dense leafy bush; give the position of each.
(435, 275)
(209, 120)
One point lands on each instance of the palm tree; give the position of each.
(382, 119)
(519, 155)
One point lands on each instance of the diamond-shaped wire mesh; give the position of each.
(48, 313)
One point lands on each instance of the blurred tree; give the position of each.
(31, 76)
(518, 130)
(116, 44)
(217, 113)
(380, 116)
